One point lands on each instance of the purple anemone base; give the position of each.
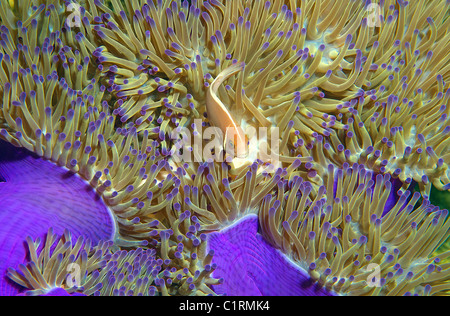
(250, 266)
(35, 195)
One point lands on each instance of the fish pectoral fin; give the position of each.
(228, 144)
(236, 142)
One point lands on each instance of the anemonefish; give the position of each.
(221, 117)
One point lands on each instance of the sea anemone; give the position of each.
(123, 96)
(398, 115)
(349, 244)
(250, 266)
(35, 195)
(79, 268)
(54, 109)
(328, 79)
(174, 46)
(218, 199)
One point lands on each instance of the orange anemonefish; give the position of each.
(219, 115)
